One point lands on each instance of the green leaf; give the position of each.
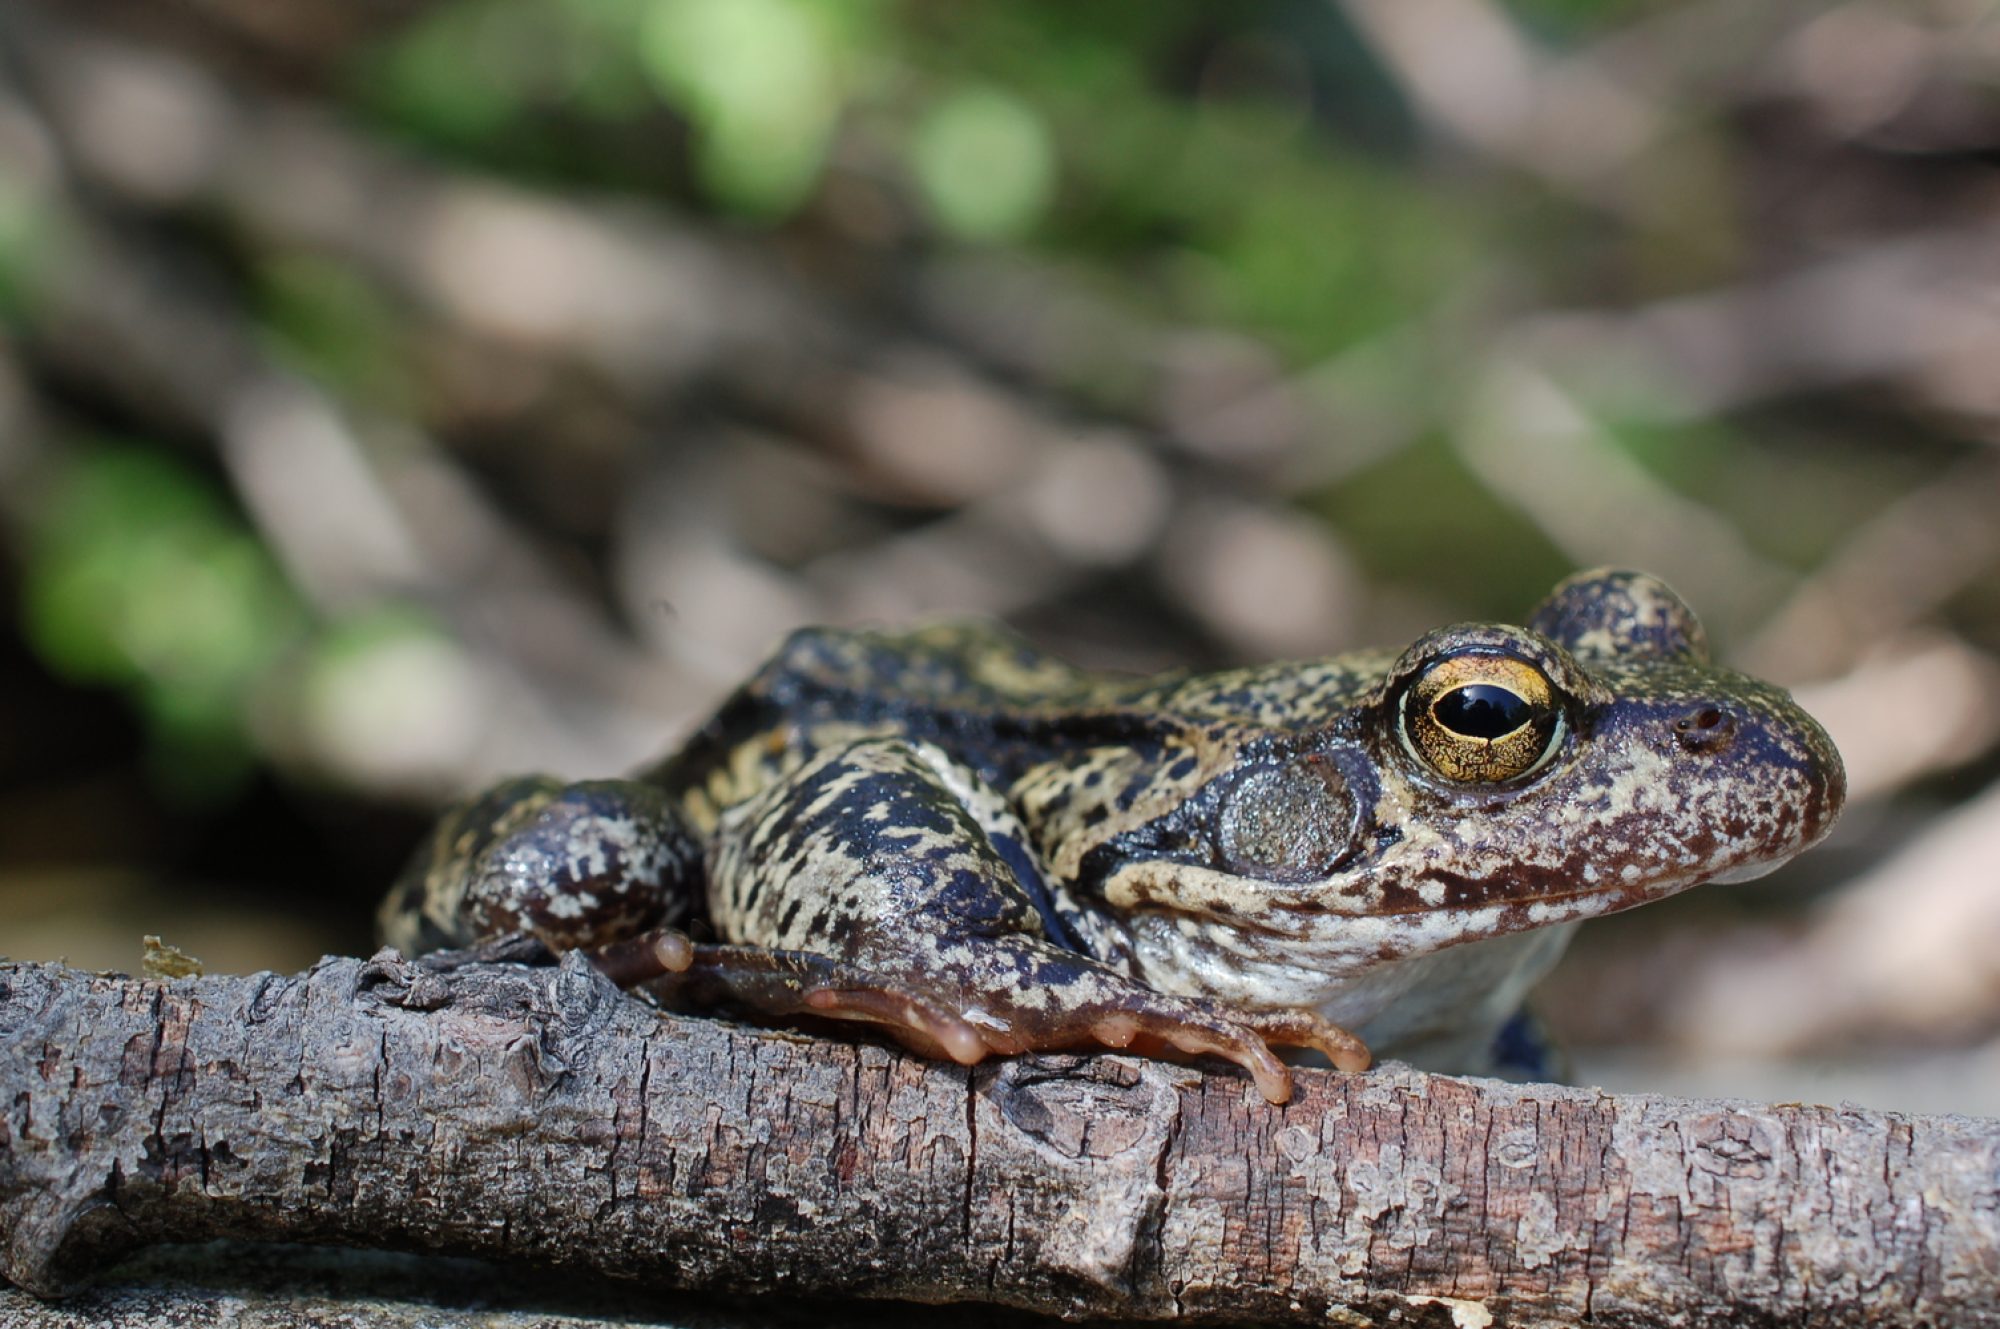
(138, 576)
(985, 164)
(761, 82)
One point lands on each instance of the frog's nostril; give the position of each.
(1705, 729)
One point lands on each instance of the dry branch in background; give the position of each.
(540, 1116)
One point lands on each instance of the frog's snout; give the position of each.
(1786, 779)
(1798, 751)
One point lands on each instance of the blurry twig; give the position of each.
(1912, 307)
(1885, 747)
(1532, 442)
(1474, 75)
(1891, 573)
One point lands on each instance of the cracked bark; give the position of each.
(542, 1117)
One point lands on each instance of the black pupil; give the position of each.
(1481, 710)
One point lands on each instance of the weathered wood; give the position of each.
(542, 1116)
(271, 1286)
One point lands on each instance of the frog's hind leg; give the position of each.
(884, 883)
(1082, 1005)
(573, 865)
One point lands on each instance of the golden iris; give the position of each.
(1481, 719)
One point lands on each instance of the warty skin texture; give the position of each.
(985, 850)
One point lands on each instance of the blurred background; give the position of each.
(397, 394)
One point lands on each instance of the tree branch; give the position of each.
(540, 1115)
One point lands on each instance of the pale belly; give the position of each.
(1439, 1010)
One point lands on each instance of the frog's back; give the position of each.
(984, 695)
(973, 688)
(1288, 695)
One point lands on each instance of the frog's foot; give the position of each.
(1015, 995)
(509, 948)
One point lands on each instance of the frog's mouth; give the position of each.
(1253, 906)
(1749, 871)
(1393, 914)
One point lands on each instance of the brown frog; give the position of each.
(951, 836)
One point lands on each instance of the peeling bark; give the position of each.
(541, 1116)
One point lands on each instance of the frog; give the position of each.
(948, 836)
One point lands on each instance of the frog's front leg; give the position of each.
(884, 883)
(573, 865)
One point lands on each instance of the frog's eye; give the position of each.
(1480, 719)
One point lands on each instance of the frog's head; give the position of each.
(1595, 754)
(1502, 778)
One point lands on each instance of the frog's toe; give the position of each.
(784, 984)
(1234, 1044)
(1115, 1031)
(1153, 1024)
(1301, 1028)
(651, 955)
(918, 1023)
(1162, 1026)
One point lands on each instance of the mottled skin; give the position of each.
(948, 834)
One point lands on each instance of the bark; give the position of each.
(542, 1117)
